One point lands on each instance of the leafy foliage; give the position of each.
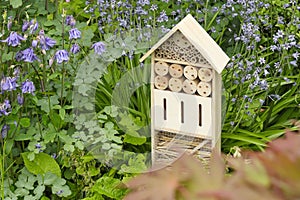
(273, 174)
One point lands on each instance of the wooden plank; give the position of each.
(182, 62)
(216, 110)
(152, 74)
(173, 122)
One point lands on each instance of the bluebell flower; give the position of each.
(61, 56)
(262, 60)
(70, 20)
(20, 99)
(74, 33)
(294, 63)
(163, 17)
(60, 192)
(75, 48)
(16, 72)
(18, 56)
(28, 87)
(26, 25)
(99, 47)
(261, 101)
(153, 7)
(8, 83)
(13, 39)
(54, 156)
(5, 108)
(38, 146)
(45, 42)
(28, 55)
(4, 131)
(296, 55)
(34, 26)
(34, 43)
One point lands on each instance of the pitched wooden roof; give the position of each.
(201, 40)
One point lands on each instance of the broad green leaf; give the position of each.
(25, 122)
(55, 119)
(49, 178)
(8, 145)
(132, 137)
(23, 137)
(109, 187)
(41, 164)
(69, 147)
(16, 3)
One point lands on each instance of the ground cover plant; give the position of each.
(67, 132)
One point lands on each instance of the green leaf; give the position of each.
(41, 164)
(55, 119)
(87, 35)
(109, 187)
(8, 145)
(132, 137)
(23, 137)
(49, 178)
(25, 122)
(16, 3)
(69, 147)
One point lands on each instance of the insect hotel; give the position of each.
(186, 66)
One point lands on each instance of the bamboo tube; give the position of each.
(176, 70)
(175, 84)
(161, 68)
(190, 86)
(190, 72)
(205, 74)
(204, 89)
(161, 82)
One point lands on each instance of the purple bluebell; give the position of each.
(26, 25)
(34, 43)
(28, 87)
(5, 108)
(20, 99)
(45, 42)
(60, 192)
(70, 20)
(34, 26)
(296, 55)
(61, 56)
(99, 47)
(18, 56)
(262, 60)
(8, 83)
(74, 33)
(16, 72)
(4, 130)
(14, 39)
(163, 17)
(294, 63)
(75, 48)
(153, 7)
(28, 55)
(38, 145)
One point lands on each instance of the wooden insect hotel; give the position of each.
(186, 89)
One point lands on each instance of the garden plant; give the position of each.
(75, 106)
